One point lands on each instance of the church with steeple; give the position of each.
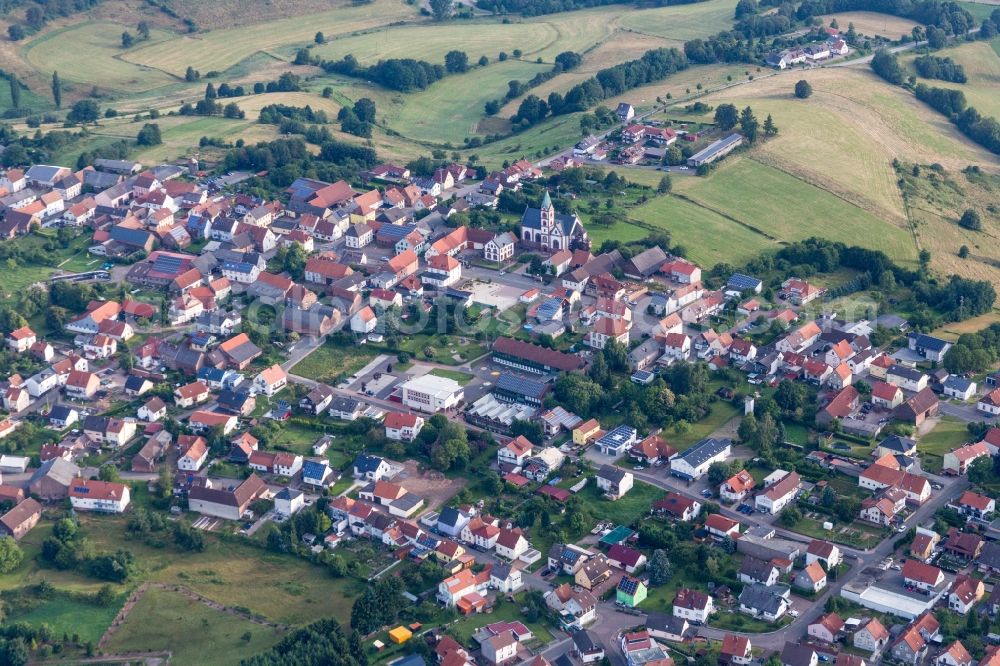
(545, 228)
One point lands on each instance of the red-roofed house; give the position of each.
(402, 426)
(886, 395)
(736, 487)
(736, 650)
(722, 527)
(827, 628)
(958, 460)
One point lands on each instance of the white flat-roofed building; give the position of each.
(431, 393)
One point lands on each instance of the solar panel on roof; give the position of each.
(628, 585)
(520, 385)
(741, 281)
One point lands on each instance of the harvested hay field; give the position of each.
(873, 24)
(99, 45)
(221, 49)
(787, 208)
(844, 138)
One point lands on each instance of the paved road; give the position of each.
(895, 49)
(967, 412)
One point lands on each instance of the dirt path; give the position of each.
(134, 598)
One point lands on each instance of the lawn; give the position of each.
(979, 10)
(952, 330)
(99, 45)
(721, 413)
(444, 349)
(873, 24)
(623, 511)
(333, 361)
(707, 236)
(452, 109)
(190, 630)
(948, 434)
(462, 378)
(432, 42)
(982, 68)
(780, 206)
(297, 438)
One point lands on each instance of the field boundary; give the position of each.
(729, 217)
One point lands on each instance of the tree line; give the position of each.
(984, 130)
(974, 352)
(933, 301)
(322, 642)
(288, 159)
(936, 67)
(402, 74)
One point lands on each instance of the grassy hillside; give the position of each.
(982, 67)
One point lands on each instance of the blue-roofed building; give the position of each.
(516, 388)
(617, 441)
(929, 347)
(956, 386)
(199, 225)
(236, 402)
(694, 463)
(217, 379)
(371, 468)
(318, 473)
(389, 234)
(133, 238)
(243, 272)
(451, 521)
(741, 282)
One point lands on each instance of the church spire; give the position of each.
(546, 201)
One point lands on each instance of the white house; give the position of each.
(614, 481)
(402, 426)
(824, 552)
(515, 452)
(193, 454)
(102, 496)
(779, 494)
(511, 544)
(364, 321)
(271, 380)
(693, 605)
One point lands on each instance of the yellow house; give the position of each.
(585, 431)
(400, 635)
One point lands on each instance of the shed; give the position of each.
(400, 635)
